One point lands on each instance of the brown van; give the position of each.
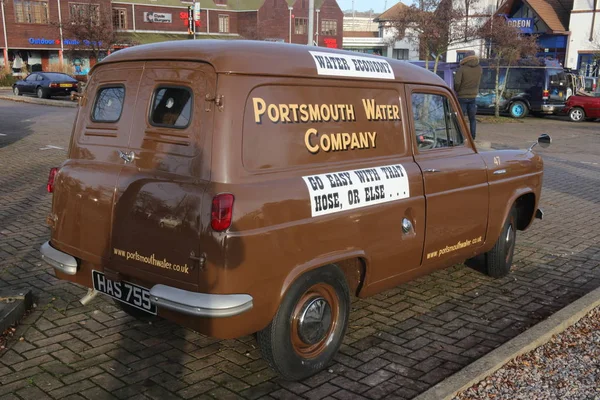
(240, 187)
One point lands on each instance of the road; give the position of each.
(399, 343)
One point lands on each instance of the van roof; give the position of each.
(251, 57)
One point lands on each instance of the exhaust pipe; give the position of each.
(89, 296)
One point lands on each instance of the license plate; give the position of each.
(66, 85)
(126, 292)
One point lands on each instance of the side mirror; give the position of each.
(544, 140)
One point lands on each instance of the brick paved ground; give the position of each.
(399, 343)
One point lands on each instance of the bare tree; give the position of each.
(435, 25)
(507, 46)
(89, 29)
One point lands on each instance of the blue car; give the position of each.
(46, 84)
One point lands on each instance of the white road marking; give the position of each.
(3, 134)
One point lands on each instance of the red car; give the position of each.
(581, 108)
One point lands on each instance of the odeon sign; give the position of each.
(68, 42)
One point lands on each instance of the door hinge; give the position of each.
(217, 99)
(201, 260)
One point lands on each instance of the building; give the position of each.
(583, 52)
(379, 38)
(31, 33)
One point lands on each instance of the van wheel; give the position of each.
(518, 109)
(576, 114)
(309, 326)
(499, 260)
(134, 312)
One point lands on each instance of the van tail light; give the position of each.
(545, 94)
(51, 176)
(222, 209)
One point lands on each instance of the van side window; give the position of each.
(172, 107)
(109, 104)
(435, 120)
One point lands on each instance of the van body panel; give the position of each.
(135, 198)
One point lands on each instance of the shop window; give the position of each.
(224, 23)
(109, 104)
(400, 54)
(81, 12)
(172, 107)
(31, 12)
(220, 2)
(119, 18)
(300, 26)
(329, 27)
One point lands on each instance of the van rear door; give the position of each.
(158, 201)
(84, 187)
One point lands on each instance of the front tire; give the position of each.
(499, 260)
(576, 114)
(518, 109)
(309, 326)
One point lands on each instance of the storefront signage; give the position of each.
(67, 42)
(330, 42)
(163, 18)
(526, 25)
(186, 17)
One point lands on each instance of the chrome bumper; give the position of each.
(552, 108)
(59, 260)
(200, 304)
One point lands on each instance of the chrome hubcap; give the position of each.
(315, 320)
(576, 114)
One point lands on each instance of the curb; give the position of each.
(53, 103)
(13, 305)
(529, 340)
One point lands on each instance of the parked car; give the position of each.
(46, 84)
(301, 175)
(537, 89)
(581, 107)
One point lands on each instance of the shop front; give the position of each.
(549, 24)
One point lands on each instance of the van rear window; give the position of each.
(172, 107)
(109, 104)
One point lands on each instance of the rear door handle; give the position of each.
(431, 170)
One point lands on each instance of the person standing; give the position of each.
(466, 85)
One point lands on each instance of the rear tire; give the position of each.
(518, 109)
(17, 92)
(41, 93)
(309, 326)
(499, 260)
(576, 114)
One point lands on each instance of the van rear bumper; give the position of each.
(59, 260)
(200, 304)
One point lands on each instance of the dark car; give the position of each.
(581, 108)
(46, 84)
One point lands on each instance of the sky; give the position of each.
(365, 5)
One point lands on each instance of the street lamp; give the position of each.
(5, 37)
(290, 8)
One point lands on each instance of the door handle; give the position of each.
(431, 170)
(499, 172)
(127, 157)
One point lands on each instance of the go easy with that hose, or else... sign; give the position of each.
(347, 190)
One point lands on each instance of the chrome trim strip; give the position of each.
(59, 260)
(200, 304)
